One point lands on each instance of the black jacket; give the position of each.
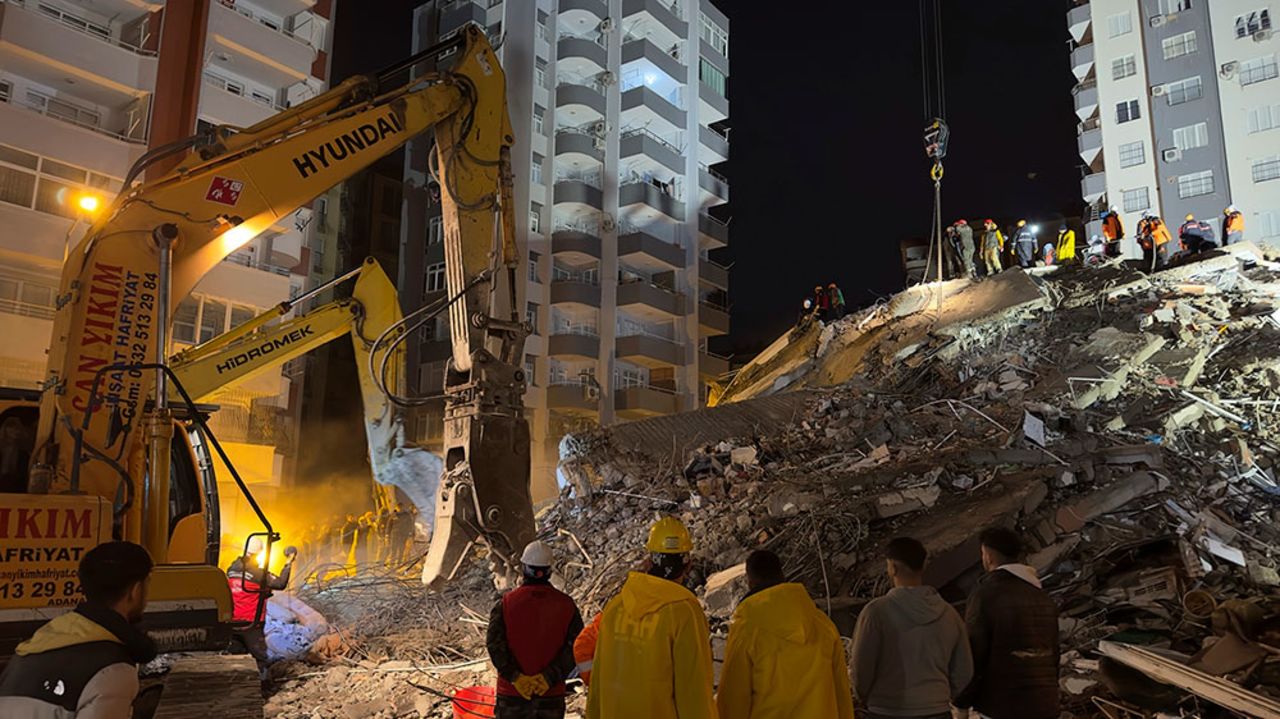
(1013, 630)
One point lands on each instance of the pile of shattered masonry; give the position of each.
(1126, 424)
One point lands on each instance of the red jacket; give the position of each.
(531, 632)
(245, 594)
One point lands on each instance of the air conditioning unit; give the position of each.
(608, 224)
(599, 128)
(1157, 91)
(1228, 70)
(591, 391)
(600, 143)
(607, 78)
(1262, 36)
(1158, 20)
(1173, 154)
(606, 24)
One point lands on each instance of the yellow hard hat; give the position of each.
(669, 536)
(1190, 217)
(1022, 223)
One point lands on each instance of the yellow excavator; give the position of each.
(119, 442)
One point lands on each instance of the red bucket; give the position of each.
(473, 703)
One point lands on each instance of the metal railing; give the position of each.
(268, 24)
(576, 330)
(645, 132)
(86, 124)
(583, 227)
(599, 39)
(713, 173)
(634, 329)
(624, 383)
(248, 261)
(582, 82)
(559, 274)
(225, 85)
(721, 305)
(79, 24)
(26, 309)
(713, 221)
(592, 179)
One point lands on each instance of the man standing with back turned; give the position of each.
(1013, 630)
(784, 657)
(910, 653)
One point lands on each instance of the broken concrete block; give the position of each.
(724, 589)
(1147, 455)
(1183, 418)
(791, 504)
(1073, 517)
(892, 504)
(743, 455)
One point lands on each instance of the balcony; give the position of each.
(572, 141)
(713, 319)
(650, 301)
(642, 142)
(578, 192)
(660, 11)
(581, 54)
(1090, 145)
(583, 12)
(460, 14)
(231, 108)
(578, 246)
(1082, 61)
(712, 365)
(649, 351)
(1078, 20)
(648, 194)
(644, 51)
(71, 46)
(1093, 187)
(715, 142)
(274, 54)
(572, 292)
(643, 401)
(713, 273)
(580, 102)
(715, 107)
(714, 184)
(1086, 100)
(575, 398)
(661, 255)
(641, 105)
(576, 346)
(712, 233)
(99, 148)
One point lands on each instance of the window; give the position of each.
(1258, 69)
(435, 230)
(1191, 136)
(539, 113)
(1121, 24)
(241, 314)
(1182, 91)
(1135, 200)
(53, 189)
(535, 170)
(213, 319)
(715, 36)
(1169, 7)
(1179, 45)
(1126, 111)
(1254, 22)
(435, 277)
(540, 73)
(711, 76)
(1260, 119)
(1132, 154)
(535, 217)
(533, 268)
(1123, 67)
(184, 320)
(1268, 168)
(1269, 223)
(531, 370)
(17, 187)
(1195, 184)
(531, 315)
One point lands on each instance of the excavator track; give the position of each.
(226, 686)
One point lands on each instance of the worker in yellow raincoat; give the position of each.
(1066, 244)
(784, 659)
(653, 651)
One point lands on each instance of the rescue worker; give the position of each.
(992, 246)
(364, 538)
(1232, 225)
(1048, 254)
(84, 663)
(253, 572)
(823, 300)
(1153, 238)
(530, 640)
(584, 649)
(1024, 243)
(784, 657)
(402, 531)
(837, 301)
(1112, 232)
(653, 652)
(806, 311)
(1196, 236)
(1013, 631)
(951, 253)
(347, 539)
(964, 246)
(1066, 244)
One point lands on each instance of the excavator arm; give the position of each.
(121, 283)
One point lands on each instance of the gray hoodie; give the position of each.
(910, 654)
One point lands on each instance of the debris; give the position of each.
(1168, 671)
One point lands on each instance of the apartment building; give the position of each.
(1179, 108)
(620, 115)
(77, 79)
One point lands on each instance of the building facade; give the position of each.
(1179, 108)
(620, 116)
(77, 78)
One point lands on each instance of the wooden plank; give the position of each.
(1166, 671)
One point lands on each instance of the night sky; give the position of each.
(828, 170)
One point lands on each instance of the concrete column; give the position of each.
(608, 323)
(687, 378)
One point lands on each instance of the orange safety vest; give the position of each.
(584, 648)
(1149, 230)
(1111, 227)
(1235, 223)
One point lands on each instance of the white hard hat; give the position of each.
(255, 545)
(536, 554)
(1232, 208)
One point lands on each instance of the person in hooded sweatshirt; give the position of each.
(910, 653)
(784, 657)
(653, 650)
(84, 664)
(1013, 630)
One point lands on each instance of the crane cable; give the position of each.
(934, 100)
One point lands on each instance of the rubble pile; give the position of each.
(1123, 423)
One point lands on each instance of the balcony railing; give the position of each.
(559, 274)
(586, 228)
(592, 83)
(233, 88)
(713, 173)
(721, 305)
(575, 329)
(645, 132)
(26, 309)
(587, 178)
(268, 23)
(61, 110)
(624, 383)
(79, 24)
(244, 260)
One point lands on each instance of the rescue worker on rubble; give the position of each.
(1112, 232)
(964, 246)
(653, 653)
(1153, 238)
(992, 246)
(1196, 236)
(247, 576)
(1232, 225)
(910, 653)
(822, 299)
(837, 301)
(784, 657)
(806, 311)
(1066, 245)
(951, 252)
(1024, 244)
(402, 531)
(84, 663)
(1013, 632)
(530, 640)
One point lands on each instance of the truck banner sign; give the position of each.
(42, 539)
